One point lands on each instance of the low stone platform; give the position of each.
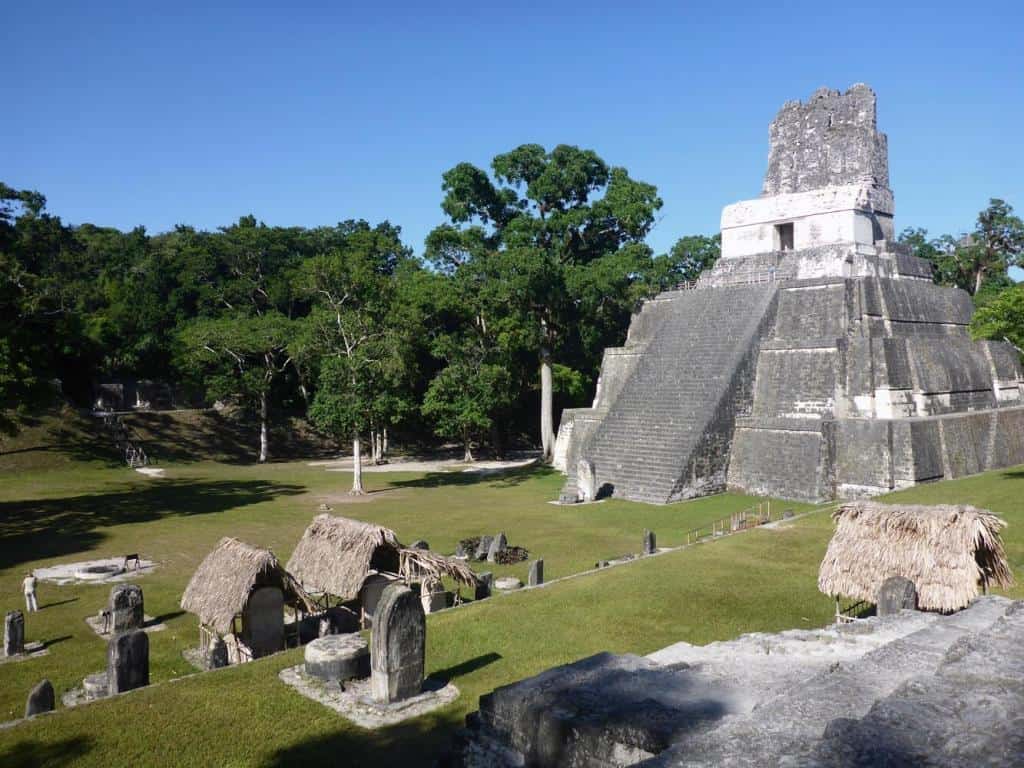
(353, 701)
(108, 570)
(908, 689)
(32, 651)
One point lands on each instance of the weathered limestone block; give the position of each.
(263, 622)
(40, 699)
(338, 657)
(217, 653)
(895, 594)
(127, 661)
(484, 585)
(398, 646)
(14, 633)
(433, 596)
(96, 686)
(498, 545)
(126, 608)
(585, 480)
(508, 584)
(483, 547)
(536, 577)
(650, 542)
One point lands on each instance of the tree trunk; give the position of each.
(547, 432)
(468, 455)
(264, 440)
(357, 467)
(384, 447)
(497, 443)
(979, 277)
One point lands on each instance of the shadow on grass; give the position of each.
(502, 479)
(55, 641)
(33, 754)
(164, 617)
(44, 528)
(470, 665)
(204, 435)
(415, 743)
(55, 603)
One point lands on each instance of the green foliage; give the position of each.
(688, 257)
(463, 397)
(977, 262)
(1002, 318)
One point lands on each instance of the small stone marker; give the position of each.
(398, 646)
(536, 577)
(498, 545)
(419, 544)
(586, 480)
(126, 608)
(217, 653)
(460, 551)
(127, 661)
(40, 699)
(895, 594)
(483, 547)
(484, 585)
(508, 583)
(787, 513)
(338, 657)
(95, 686)
(14, 633)
(650, 543)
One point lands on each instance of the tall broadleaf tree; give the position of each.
(243, 357)
(559, 236)
(357, 336)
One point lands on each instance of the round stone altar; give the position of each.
(338, 657)
(99, 572)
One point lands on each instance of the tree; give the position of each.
(977, 262)
(1002, 318)
(464, 397)
(560, 234)
(240, 356)
(356, 335)
(686, 260)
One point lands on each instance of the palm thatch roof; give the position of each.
(221, 585)
(335, 555)
(946, 550)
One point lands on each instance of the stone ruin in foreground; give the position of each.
(909, 689)
(815, 360)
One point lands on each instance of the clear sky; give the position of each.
(313, 113)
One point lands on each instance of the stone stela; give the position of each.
(815, 360)
(397, 646)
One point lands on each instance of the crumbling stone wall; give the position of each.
(829, 141)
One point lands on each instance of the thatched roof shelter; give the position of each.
(335, 555)
(947, 551)
(220, 587)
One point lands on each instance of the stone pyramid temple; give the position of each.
(816, 360)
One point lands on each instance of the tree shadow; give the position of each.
(28, 753)
(55, 640)
(466, 667)
(505, 479)
(210, 435)
(46, 528)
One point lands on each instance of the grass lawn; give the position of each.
(761, 580)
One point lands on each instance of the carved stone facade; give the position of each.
(815, 360)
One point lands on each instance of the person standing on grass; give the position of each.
(29, 585)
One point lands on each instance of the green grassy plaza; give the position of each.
(77, 509)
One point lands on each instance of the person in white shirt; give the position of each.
(29, 585)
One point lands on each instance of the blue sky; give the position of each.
(315, 113)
